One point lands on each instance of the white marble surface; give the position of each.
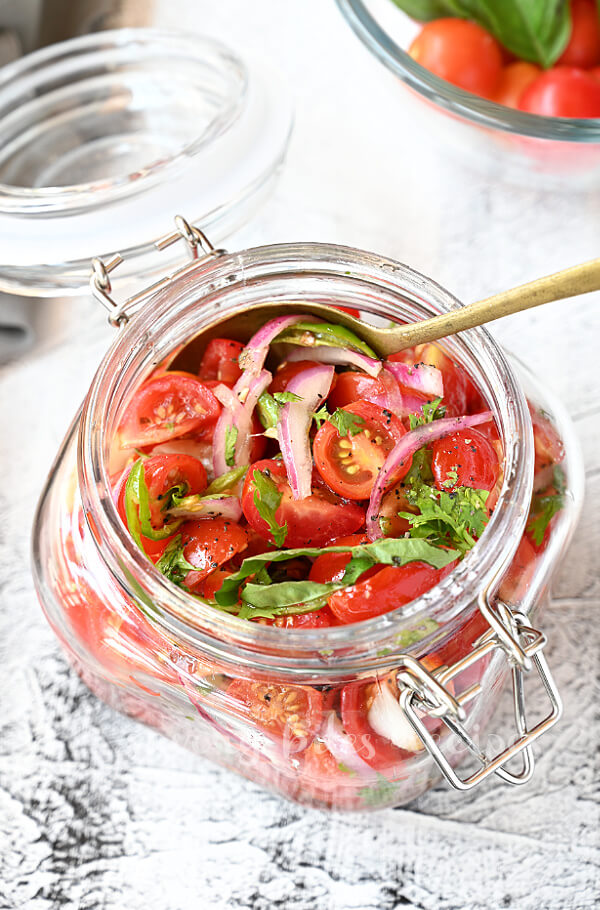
(98, 813)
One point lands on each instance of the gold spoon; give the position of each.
(579, 279)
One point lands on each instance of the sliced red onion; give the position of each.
(409, 444)
(202, 507)
(325, 354)
(340, 746)
(392, 398)
(253, 357)
(238, 407)
(422, 377)
(387, 719)
(312, 386)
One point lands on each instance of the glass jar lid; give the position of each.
(100, 135)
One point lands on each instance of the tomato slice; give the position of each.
(290, 713)
(208, 544)
(161, 474)
(470, 456)
(331, 566)
(350, 464)
(318, 619)
(389, 588)
(220, 361)
(352, 386)
(549, 448)
(166, 407)
(313, 521)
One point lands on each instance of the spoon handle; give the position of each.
(580, 279)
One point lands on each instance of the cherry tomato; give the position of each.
(461, 52)
(166, 407)
(313, 521)
(208, 543)
(468, 453)
(161, 474)
(290, 713)
(352, 386)
(331, 566)
(318, 619)
(377, 751)
(393, 502)
(515, 78)
(549, 448)
(350, 464)
(520, 574)
(287, 372)
(324, 779)
(220, 361)
(583, 49)
(388, 589)
(563, 92)
(212, 583)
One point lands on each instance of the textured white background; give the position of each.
(98, 812)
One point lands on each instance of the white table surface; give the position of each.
(99, 813)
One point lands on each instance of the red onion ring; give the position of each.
(325, 354)
(422, 377)
(253, 357)
(312, 385)
(237, 414)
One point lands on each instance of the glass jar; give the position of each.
(200, 676)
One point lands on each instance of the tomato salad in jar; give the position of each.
(300, 481)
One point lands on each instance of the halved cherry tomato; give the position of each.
(166, 407)
(220, 361)
(461, 52)
(290, 713)
(583, 49)
(388, 589)
(468, 453)
(350, 464)
(563, 91)
(318, 619)
(212, 583)
(515, 78)
(393, 502)
(208, 543)
(352, 386)
(331, 566)
(517, 580)
(161, 474)
(313, 521)
(287, 372)
(549, 448)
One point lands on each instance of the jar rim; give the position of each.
(137, 349)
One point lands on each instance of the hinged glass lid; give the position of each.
(99, 136)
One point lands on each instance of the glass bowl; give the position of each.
(505, 143)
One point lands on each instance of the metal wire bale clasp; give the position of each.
(426, 692)
(198, 246)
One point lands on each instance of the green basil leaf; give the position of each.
(269, 407)
(173, 564)
(346, 423)
(286, 594)
(314, 334)
(231, 435)
(387, 551)
(267, 499)
(535, 30)
(226, 482)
